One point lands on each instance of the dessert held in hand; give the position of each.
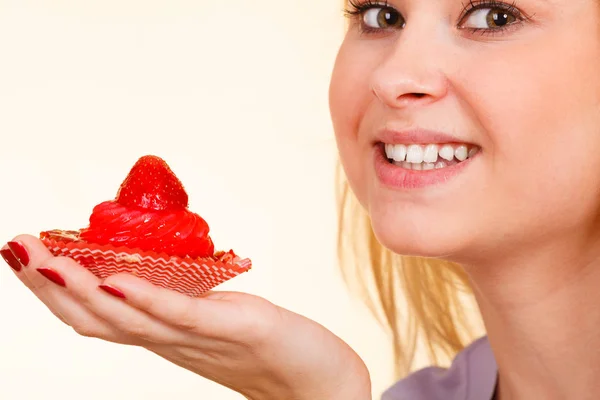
(148, 230)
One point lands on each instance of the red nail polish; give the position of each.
(20, 252)
(52, 276)
(113, 291)
(10, 259)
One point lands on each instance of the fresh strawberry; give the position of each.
(152, 185)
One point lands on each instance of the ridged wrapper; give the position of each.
(190, 276)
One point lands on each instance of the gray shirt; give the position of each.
(472, 376)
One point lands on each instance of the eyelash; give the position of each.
(511, 8)
(358, 8)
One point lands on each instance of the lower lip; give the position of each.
(401, 178)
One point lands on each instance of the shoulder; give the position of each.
(472, 376)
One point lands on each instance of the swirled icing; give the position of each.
(181, 232)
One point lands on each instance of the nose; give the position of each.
(410, 72)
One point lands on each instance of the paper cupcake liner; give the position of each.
(192, 277)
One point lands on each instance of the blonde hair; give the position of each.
(436, 293)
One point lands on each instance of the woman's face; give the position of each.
(419, 85)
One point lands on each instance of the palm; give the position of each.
(259, 340)
(238, 340)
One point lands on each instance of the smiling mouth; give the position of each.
(424, 157)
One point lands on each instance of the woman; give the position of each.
(468, 133)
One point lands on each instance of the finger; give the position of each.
(17, 255)
(11, 259)
(34, 256)
(207, 315)
(110, 307)
(55, 296)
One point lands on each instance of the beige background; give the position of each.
(233, 94)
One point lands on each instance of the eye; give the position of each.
(378, 17)
(490, 18)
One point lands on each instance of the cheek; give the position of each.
(542, 131)
(349, 97)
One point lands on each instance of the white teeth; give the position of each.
(414, 154)
(389, 150)
(461, 153)
(430, 154)
(399, 152)
(447, 152)
(427, 157)
(395, 152)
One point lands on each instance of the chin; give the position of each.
(410, 234)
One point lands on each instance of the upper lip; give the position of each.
(416, 136)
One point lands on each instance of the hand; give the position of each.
(237, 340)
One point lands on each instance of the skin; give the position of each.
(238, 340)
(523, 217)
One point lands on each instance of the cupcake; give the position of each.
(148, 231)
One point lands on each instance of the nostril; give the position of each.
(407, 98)
(412, 96)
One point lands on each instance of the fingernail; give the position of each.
(113, 291)
(10, 259)
(20, 252)
(52, 276)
